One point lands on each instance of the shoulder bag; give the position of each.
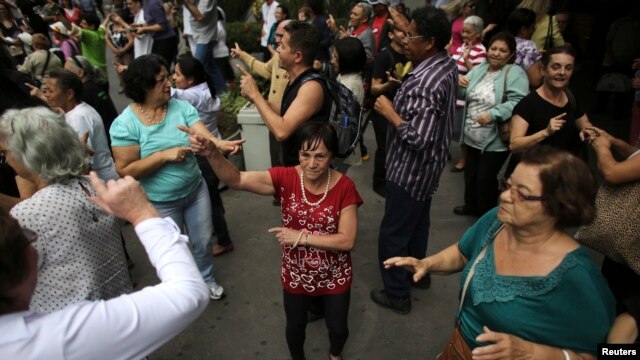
(457, 348)
(504, 128)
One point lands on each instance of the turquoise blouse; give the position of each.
(571, 308)
(517, 88)
(174, 180)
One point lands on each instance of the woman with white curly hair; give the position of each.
(80, 254)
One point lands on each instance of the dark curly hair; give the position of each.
(568, 186)
(141, 76)
(433, 23)
(507, 39)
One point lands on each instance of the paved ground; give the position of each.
(249, 322)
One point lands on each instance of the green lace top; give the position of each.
(571, 308)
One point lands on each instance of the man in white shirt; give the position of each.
(268, 19)
(128, 327)
(63, 89)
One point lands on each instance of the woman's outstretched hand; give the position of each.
(419, 268)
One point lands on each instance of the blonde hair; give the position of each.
(540, 7)
(454, 7)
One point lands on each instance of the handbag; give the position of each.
(457, 348)
(504, 128)
(615, 232)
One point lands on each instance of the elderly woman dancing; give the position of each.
(319, 227)
(148, 146)
(529, 288)
(80, 254)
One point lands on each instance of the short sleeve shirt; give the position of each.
(306, 269)
(172, 181)
(537, 112)
(393, 62)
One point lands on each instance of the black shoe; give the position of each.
(380, 190)
(463, 210)
(423, 283)
(399, 305)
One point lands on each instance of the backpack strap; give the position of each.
(46, 64)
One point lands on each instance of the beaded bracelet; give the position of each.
(306, 239)
(298, 240)
(566, 354)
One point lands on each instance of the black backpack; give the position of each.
(345, 114)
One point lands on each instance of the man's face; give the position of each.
(357, 16)
(415, 45)
(56, 97)
(286, 54)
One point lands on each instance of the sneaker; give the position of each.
(399, 305)
(216, 292)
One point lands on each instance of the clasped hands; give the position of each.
(204, 146)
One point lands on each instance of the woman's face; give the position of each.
(315, 163)
(181, 82)
(279, 14)
(517, 204)
(558, 71)
(469, 33)
(468, 9)
(161, 91)
(334, 60)
(498, 54)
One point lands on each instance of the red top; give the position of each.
(376, 27)
(456, 34)
(307, 270)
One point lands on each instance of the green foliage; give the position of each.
(247, 35)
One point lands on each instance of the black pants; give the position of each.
(480, 179)
(336, 311)
(166, 49)
(404, 231)
(380, 126)
(217, 207)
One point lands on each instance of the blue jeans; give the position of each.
(204, 54)
(194, 211)
(404, 231)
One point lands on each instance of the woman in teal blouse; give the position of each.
(536, 293)
(489, 100)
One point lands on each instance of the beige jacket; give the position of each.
(270, 69)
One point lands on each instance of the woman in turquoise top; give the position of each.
(489, 100)
(536, 294)
(148, 146)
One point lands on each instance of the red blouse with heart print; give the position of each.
(307, 270)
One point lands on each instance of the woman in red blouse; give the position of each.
(319, 209)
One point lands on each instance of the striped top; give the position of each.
(417, 149)
(477, 55)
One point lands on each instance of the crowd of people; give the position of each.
(75, 169)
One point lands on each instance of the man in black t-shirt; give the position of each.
(389, 67)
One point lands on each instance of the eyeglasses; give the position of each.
(506, 185)
(163, 80)
(408, 36)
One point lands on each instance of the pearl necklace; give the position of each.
(150, 118)
(304, 195)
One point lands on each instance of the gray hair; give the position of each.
(367, 9)
(475, 21)
(44, 143)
